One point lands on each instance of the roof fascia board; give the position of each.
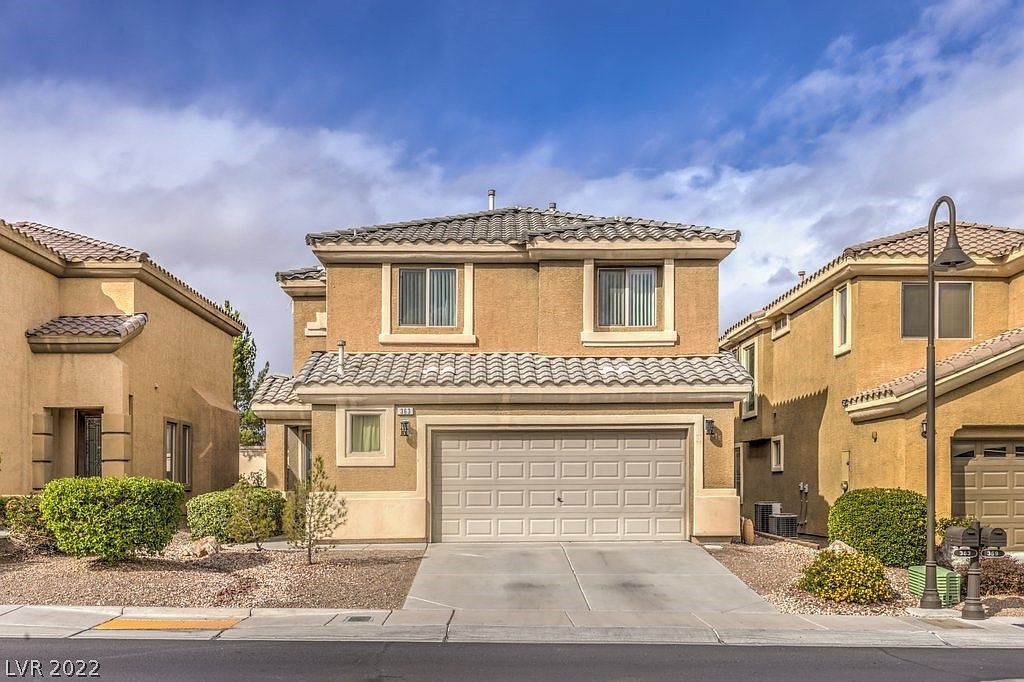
(20, 246)
(527, 394)
(304, 288)
(63, 343)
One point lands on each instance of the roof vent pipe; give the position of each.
(490, 199)
(341, 357)
(802, 275)
(552, 206)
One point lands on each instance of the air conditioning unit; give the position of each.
(763, 512)
(783, 525)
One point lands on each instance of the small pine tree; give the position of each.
(251, 429)
(313, 511)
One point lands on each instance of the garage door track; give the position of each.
(579, 578)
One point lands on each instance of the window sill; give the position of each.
(367, 459)
(420, 339)
(780, 334)
(652, 338)
(841, 351)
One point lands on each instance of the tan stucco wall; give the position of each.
(532, 307)
(801, 385)
(402, 476)
(31, 296)
(304, 311)
(178, 367)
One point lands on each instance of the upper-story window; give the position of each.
(427, 297)
(747, 355)
(841, 319)
(627, 297)
(780, 327)
(954, 308)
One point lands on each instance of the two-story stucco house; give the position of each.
(513, 374)
(111, 365)
(839, 390)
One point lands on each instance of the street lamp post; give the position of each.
(951, 259)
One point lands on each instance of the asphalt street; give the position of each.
(252, 660)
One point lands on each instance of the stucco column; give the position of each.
(42, 448)
(116, 432)
(276, 464)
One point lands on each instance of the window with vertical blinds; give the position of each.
(627, 297)
(427, 296)
(954, 310)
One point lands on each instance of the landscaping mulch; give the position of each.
(235, 577)
(771, 568)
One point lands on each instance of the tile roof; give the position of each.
(311, 273)
(76, 248)
(276, 388)
(957, 362)
(519, 225)
(91, 325)
(977, 239)
(518, 369)
(989, 241)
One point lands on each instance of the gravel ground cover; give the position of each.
(378, 579)
(771, 568)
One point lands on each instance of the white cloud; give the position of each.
(224, 200)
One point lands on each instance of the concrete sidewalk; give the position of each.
(544, 626)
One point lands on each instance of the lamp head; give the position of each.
(952, 257)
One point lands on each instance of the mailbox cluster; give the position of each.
(975, 543)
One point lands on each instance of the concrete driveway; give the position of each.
(579, 577)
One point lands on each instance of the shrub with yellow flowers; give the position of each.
(852, 577)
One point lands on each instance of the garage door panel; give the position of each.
(991, 488)
(612, 485)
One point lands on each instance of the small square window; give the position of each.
(364, 433)
(780, 327)
(627, 297)
(778, 453)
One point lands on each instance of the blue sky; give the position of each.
(216, 134)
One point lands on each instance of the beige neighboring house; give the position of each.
(838, 366)
(514, 374)
(112, 366)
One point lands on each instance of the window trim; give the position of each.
(739, 454)
(938, 325)
(777, 468)
(749, 413)
(345, 457)
(186, 459)
(626, 270)
(643, 338)
(782, 331)
(427, 270)
(387, 336)
(170, 467)
(845, 347)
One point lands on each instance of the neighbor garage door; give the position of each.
(988, 483)
(559, 485)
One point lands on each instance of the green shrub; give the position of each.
(112, 518)
(852, 577)
(887, 523)
(28, 528)
(999, 575)
(209, 514)
(217, 514)
(945, 523)
(255, 513)
(3, 509)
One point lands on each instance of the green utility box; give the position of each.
(947, 581)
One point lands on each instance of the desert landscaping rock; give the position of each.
(231, 578)
(771, 568)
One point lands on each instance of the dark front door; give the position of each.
(88, 443)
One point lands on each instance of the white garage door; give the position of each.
(566, 485)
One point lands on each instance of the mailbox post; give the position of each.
(975, 542)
